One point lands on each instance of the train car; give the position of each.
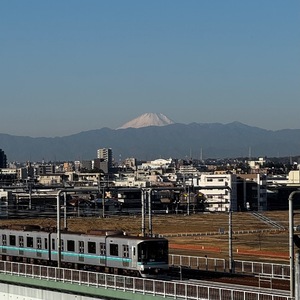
(24, 243)
(145, 255)
(99, 250)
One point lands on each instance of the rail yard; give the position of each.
(203, 235)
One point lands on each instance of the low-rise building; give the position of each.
(220, 191)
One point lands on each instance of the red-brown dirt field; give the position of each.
(252, 239)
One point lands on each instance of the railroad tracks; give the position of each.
(258, 281)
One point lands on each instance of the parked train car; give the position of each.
(105, 251)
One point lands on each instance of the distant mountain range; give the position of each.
(213, 140)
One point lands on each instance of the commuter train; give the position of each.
(98, 250)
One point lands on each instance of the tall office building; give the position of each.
(105, 155)
(3, 160)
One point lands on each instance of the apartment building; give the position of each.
(220, 191)
(105, 155)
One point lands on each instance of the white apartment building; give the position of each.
(294, 177)
(50, 179)
(220, 191)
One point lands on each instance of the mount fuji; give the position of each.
(148, 119)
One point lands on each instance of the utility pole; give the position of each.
(188, 200)
(291, 243)
(149, 192)
(143, 212)
(230, 239)
(297, 276)
(58, 233)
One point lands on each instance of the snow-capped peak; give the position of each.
(148, 119)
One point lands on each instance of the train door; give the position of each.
(81, 251)
(134, 256)
(102, 254)
(125, 255)
(39, 247)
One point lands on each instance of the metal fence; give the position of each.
(196, 262)
(166, 289)
(280, 271)
(275, 271)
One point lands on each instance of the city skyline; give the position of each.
(69, 67)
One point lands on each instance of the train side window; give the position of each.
(53, 244)
(91, 247)
(133, 251)
(113, 249)
(21, 241)
(70, 245)
(125, 251)
(30, 242)
(62, 245)
(39, 243)
(46, 243)
(81, 246)
(102, 249)
(12, 240)
(4, 241)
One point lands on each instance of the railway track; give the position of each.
(177, 273)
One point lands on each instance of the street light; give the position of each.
(230, 233)
(291, 243)
(146, 196)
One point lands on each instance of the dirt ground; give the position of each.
(252, 239)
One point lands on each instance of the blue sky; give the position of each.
(72, 66)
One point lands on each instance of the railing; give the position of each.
(200, 263)
(166, 289)
(275, 271)
(187, 234)
(278, 271)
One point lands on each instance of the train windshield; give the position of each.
(153, 251)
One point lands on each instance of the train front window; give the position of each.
(153, 251)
